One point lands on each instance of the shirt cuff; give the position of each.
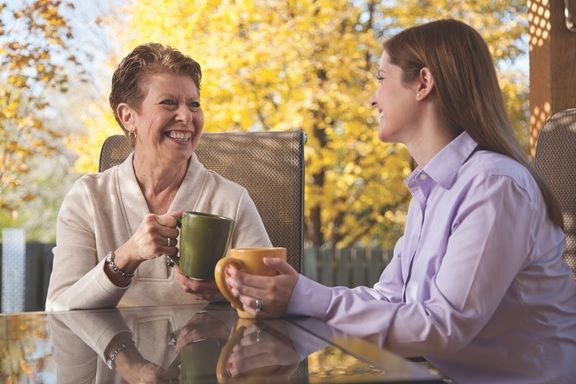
(309, 298)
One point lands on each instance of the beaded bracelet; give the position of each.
(110, 361)
(115, 268)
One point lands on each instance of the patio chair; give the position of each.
(270, 165)
(555, 151)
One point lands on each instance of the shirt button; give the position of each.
(423, 176)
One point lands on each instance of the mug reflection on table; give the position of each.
(198, 344)
(256, 353)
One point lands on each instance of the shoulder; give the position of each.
(93, 182)
(222, 186)
(486, 167)
(90, 191)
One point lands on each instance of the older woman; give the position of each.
(115, 229)
(477, 283)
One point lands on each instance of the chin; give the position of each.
(383, 135)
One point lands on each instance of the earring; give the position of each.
(132, 137)
(418, 94)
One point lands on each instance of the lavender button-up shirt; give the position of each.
(477, 283)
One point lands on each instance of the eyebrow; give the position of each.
(174, 96)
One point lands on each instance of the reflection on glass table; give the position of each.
(188, 344)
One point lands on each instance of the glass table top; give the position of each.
(188, 344)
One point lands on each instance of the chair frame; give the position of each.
(555, 150)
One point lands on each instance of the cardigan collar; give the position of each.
(132, 198)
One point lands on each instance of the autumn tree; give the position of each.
(309, 64)
(33, 64)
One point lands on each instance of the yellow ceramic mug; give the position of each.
(248, 260)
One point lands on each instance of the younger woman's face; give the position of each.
(395, 101)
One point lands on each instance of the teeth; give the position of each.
(180, 136)
(381, 115)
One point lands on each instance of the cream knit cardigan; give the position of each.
(100, 213)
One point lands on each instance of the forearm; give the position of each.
(92, 290)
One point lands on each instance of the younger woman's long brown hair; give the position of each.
(466, 88)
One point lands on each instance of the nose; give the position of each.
(184, 114)
(373, 102)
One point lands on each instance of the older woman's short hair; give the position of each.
(148, 59)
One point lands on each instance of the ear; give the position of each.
(424, 84)
(126, 115)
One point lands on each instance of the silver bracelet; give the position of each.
(115, 268)
(110, 361)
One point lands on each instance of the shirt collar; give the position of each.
(444, 166)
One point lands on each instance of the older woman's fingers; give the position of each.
(165, 233)
(201, 289)
(167, 220)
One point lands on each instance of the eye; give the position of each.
(194, 105)
(379, 76)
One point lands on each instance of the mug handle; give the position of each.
(223, 378)
(219, 276)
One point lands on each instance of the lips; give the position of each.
(182, 136)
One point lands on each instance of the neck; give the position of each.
(158, 183)
(430, 137)
(425, 147)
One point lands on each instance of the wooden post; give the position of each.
(552, 62)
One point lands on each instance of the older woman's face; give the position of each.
(169, 121)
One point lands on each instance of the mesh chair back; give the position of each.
(555, 151)
(270, 165)
(115, 150)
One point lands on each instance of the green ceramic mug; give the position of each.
(204, 239)
(198, 361)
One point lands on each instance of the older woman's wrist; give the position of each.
(118, 271)
(117, 276)
(126, 260)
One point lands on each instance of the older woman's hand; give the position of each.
(201, 327)
(274, 292)
(199, 289)
(156, 236)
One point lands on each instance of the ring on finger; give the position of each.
(168, 241)
(258, 305)
(258, 335)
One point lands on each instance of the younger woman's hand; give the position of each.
(274, 292)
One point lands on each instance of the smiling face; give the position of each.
(396, 103)
(169, 121)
